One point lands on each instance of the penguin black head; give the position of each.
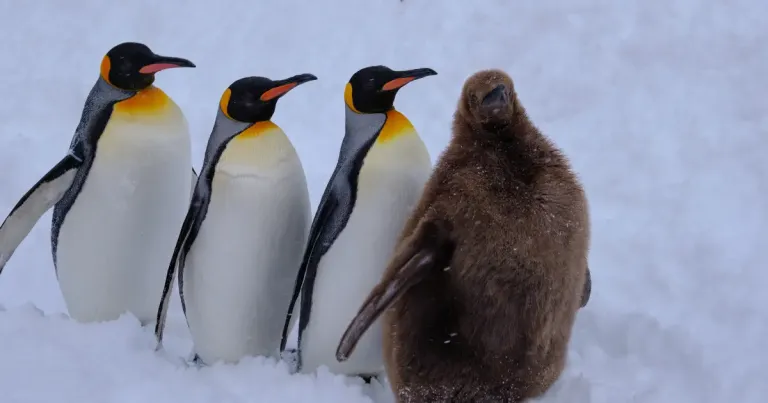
(132, 66)
(253, 99)
(373, 89)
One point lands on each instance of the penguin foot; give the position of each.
(196, 360)
(368, 378)
(289, 353)
(291, 357)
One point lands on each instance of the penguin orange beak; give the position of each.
(160, 63)
(404, 77)
(283, 86)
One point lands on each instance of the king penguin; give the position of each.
(381, 170)
(119, 195)
(240, 246)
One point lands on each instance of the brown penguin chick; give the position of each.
(481, 294)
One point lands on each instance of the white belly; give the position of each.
(241, 269)
(116, 240)
(355, 263)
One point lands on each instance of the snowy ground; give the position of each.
(660, 105)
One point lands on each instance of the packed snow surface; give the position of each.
(660, 105)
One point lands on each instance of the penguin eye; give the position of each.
(245, 103)
(122, 66)
(370, 84)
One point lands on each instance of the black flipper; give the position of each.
(311, 257)
(427, 250)
(162, 310)
(34, 203)
(587, 289)
(194, 183)
(188, 232)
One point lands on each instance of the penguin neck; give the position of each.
(106, 102)
(98, 104)
(224, 129)
(257, 129)
(360, 132)
(395, 126)
(148, 101)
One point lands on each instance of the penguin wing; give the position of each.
(312, 255)
(427, 250)
(162, 310)
(587, 289)
(194, 183)
(189, 239)
(34, 203)
(177, 262)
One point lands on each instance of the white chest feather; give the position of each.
(239, 273)
(117, 238)
(389, 186)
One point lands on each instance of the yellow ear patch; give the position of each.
(151, 100)
(106, 64)
(257, 129)
(224, 102)
(395, 126)
(348, 98)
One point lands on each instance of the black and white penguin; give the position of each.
(240, 247)
(119, 195)
(381, 170)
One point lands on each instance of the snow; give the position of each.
(659, 104)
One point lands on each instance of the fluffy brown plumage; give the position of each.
(480, 297)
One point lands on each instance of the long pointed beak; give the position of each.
(406, 76)
(299, 79)
(283, 86)
(160, 63)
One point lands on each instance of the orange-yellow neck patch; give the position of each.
(150, 100)
(106, 64)
(395, 126)
(257, 129)
(224, 102)
(348, 98)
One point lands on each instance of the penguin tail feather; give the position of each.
(428, 249)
